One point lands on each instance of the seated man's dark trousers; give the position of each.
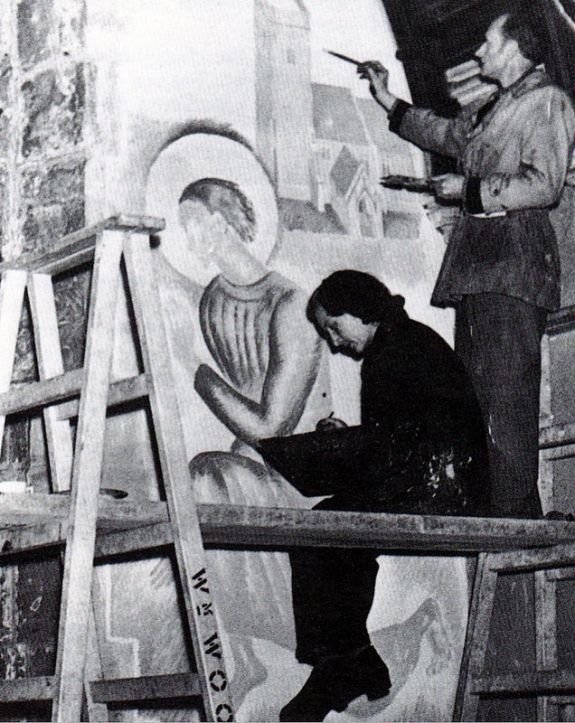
(498, 338)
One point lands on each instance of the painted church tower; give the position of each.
(284, 95)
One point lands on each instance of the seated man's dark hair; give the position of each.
(358, 294)
(219, 194)
(519, 26)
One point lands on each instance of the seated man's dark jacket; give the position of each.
(421, 441)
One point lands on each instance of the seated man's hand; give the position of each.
(329, 423)
(449, 186)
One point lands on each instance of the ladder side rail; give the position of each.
(476, 639)
(87, 467)
(12, 288)
(188, 543)
(546, 652)
(51, 364)
(97, 711)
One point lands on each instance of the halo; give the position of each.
(207, 155)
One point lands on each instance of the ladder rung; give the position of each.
(78, 248)
(38, 394)
(539, 683)
(562, 699)
(17, 510)
(125, 390)
(23, 690)
(118, 690)
(560, 555)
(146, 537)
(561, 321)
(31, 537)
(57, 389)
(557, 435)
(136, 537)
(152, 687)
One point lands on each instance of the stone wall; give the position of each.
(43, 153)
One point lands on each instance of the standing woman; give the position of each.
(420, 449)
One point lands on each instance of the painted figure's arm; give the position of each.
(294, 358)
(545, 153)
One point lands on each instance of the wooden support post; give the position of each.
(194, 574)
(11, 301)
(50, 364)
(77, 582)
(466, 702)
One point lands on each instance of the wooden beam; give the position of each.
(38, 394)
(31, 537)
(23, 690)
(18, 510)
(135, 539)
(125, 390)
(51, 391)
(539, 683)
(51, 365)
(561, 321)
(224, 525)
(78, 248)
(153, 687)
(144, 524)
(561, 555)
(557, 435)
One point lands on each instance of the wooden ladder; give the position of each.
(547, 682)
(123, 242)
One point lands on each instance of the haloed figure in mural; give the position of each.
(271, 379)
(420, 448)
(501, 267)
(253, 321)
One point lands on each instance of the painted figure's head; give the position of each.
(510, 39)
(348, 307)
(218, 219)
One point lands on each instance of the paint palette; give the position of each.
(407, 183)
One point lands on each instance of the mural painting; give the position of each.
(260, 205)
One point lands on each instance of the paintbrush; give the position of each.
(344, 57)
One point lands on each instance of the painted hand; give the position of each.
(449, 186)
(204, 379)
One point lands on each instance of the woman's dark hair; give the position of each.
(358, 294)
(518, 26)
(218, 194)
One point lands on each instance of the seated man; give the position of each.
(421, 449)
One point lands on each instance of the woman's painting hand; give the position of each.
(330, 423)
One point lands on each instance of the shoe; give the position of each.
(558, 515)
(334, 683)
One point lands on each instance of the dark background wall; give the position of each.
(434, 35)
